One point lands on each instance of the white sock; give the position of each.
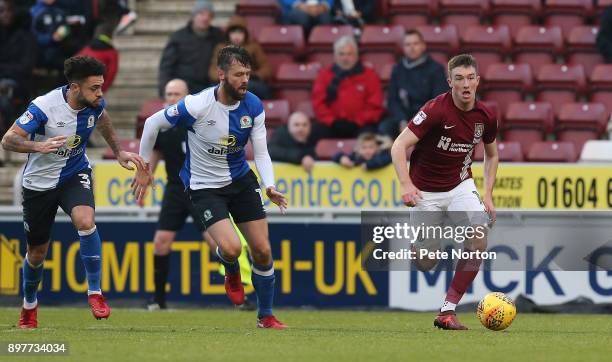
(90, 292)
(27, 305)
(448, 306)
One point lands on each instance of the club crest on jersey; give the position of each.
(419, 118)
(27, 117)
(91, 121)
(478, 130)
(246, 122)
(173, 111)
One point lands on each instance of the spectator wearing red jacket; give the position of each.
(347, 97)
(101, 47)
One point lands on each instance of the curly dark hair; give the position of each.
(231, 52)
(77, 69)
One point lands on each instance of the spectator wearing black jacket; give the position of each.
(604, 37)
(295, 143)
(416, 79)
(189, 50)
(371, 153)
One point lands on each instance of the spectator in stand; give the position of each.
(101, 47)
(416, 79)
(371, 152)
(354, 12)
(604, 37)
(51, 30)
(347, 97)
(17, 58)
(261, 71)
(189, 50)
(295, 143)
(307, 13)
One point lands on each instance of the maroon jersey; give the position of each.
(442, 158)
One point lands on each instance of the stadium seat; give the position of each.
(537, 45)
(440, 39)
(327, 148)
(489, 44)
(494, 107)
(507, 151)
(321, 42)
(384, 72)
(258, 13)
(294, 81)
(306, 108)
(462, 13)
(597, 151)
(515, 13)
(277, 112)
(566, 14)
(147, 110)
(411, 13)
(129, 145)
(506, 83)
(382, 38)
(527, 122)
(600, 85)
(581, 48)
(551, 151)
(580, 122)
(282, 43)
(559, 84)
(601, 5)
(381, 63)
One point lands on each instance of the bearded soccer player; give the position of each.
(54, 132)
(440, 178)
(219, 121)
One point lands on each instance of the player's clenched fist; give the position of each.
(410, 194)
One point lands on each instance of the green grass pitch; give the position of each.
(230, 335)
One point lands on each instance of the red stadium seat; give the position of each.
(581, 48)
(258, 13)
(560, 84)
(506, 83)
(327, 148)
(255, 23)
(567, 14)
(600, 84)
(494, 107)
(551, 151)
(147, 110)
(507, 151)
(294, 81)
(282, 43)
(306, 108)
(601, 5)
(489, 44)
(383, 70)
(463, 13)
(441, 39)
(129, 145)
(277, 112)
(381, 63)
(537, 45)
(411, 13)
(385, 38)
(514, 13)
(526, 122)
(321, 42)
(580, 122)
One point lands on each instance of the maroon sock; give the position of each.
(465, 272)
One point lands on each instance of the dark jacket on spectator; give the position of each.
(284, 148)
(381, 159)
(45, 21)
(604, 37)
(17, 53)
(412, 85)
(187, 56)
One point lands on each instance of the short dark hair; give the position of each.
(414, 32)
(462, 60)
(77, 69)
(366, 137)
(230, 53)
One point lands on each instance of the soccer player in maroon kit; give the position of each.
(444, 134)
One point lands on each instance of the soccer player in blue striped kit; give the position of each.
(220, 120)
(54, 132)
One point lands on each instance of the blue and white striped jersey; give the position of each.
(50, 116)
(217, 136)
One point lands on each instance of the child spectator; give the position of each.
(371, 152)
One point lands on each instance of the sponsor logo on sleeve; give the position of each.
(419, 118)
(26, 117)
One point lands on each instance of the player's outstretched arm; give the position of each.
(105, 126)
(491, 161)
(16, 140)
(406, 139)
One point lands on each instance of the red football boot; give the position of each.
(98, 305)
(28, 318)
(270, 322)
(448, 320)
(234, 288)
